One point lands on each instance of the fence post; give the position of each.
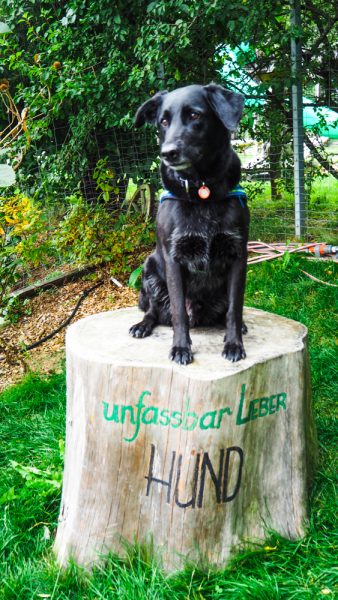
(297, 119)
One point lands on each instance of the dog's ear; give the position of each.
(227, 105)
(147, 112)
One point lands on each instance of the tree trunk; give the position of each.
(200, 459)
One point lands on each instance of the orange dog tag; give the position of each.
(204, 192)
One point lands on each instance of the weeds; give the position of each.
(32, 423)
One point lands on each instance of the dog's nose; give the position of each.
(170, 152)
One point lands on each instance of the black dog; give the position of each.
(196, 275)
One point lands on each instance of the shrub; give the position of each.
(92, 234)
(24, 243)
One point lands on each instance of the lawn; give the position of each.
(273, 220)
(32, 423)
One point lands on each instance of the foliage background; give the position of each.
(71, 77)
(81, 68)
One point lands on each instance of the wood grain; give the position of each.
(201, 459)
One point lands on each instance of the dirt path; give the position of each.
(46, 312)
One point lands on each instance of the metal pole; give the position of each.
(297, 120)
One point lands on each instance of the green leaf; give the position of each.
(151, 6)
(7, 176)
(135, 278)
(185, 8)
(4, 28)
(8, 496)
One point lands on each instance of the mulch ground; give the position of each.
(46, 312)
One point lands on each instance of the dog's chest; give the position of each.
(205, 244)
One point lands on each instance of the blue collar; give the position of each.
(236, 192)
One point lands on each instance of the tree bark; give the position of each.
(201, 460)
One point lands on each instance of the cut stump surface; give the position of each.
(200, 459)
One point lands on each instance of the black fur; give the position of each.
(196, 274)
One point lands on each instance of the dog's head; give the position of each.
(193, 122)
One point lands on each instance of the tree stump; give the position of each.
(200, 459)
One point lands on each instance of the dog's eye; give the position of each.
(195, 116)
(164, 122)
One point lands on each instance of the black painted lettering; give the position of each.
(192, 501)
(150, 477)
(217, 481)
(226, 496)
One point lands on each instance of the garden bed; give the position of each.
(44, 313)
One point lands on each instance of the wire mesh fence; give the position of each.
(57, 168)
(267, 165)
(267, 175)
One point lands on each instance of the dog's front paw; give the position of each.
(141, 330)
(181, 354)
(233, 351)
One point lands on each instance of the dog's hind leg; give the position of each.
(150, 319)
(152, 295)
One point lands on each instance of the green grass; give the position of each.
(32, 422)
(273, 220)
